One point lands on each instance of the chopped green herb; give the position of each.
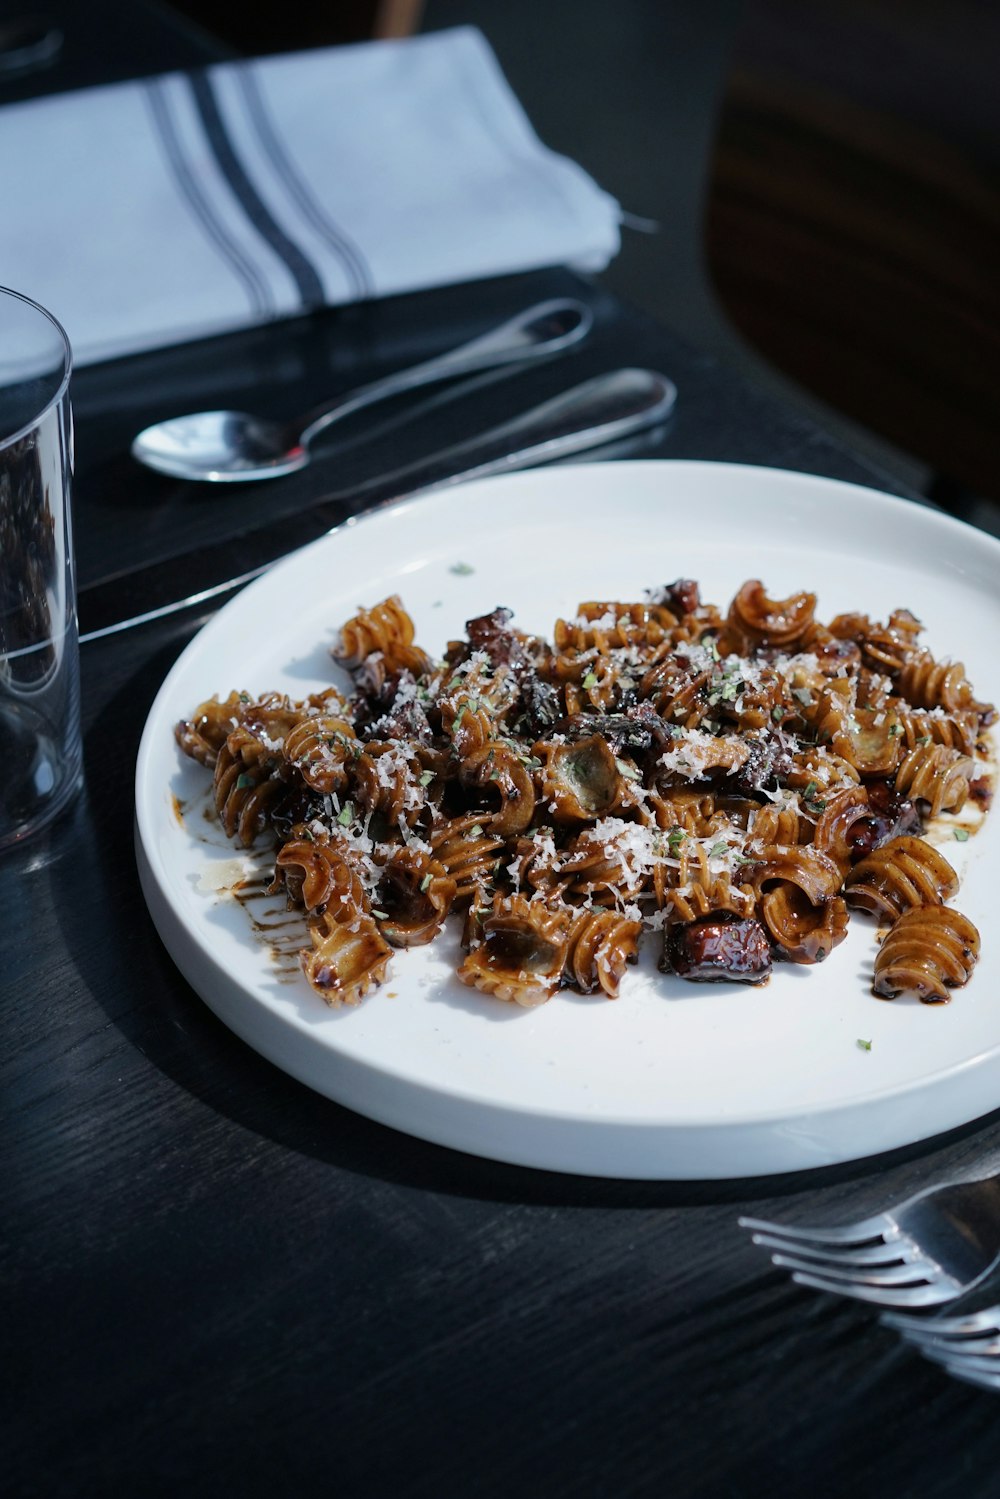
(628, 771)
(425, 882)
(426, 777)
(813, 802)
(590, 680)
(743, 859)
(476, 831)
(717, 849)
(777, 714)
(865, 1045)
(244, 697)
(346, 814)
(962, 834)
(461, 569)
(924, 739)
(243, 781)
(675, 838)
(895, 730)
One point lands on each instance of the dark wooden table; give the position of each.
(216, 1281)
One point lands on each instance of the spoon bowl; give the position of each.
(219, 447)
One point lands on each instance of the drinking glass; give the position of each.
(40, 745)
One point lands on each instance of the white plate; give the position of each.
(672, 1080)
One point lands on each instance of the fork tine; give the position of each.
(973, 1376)
(918, 1270)
(954, 1346)
(854, 1233)
(924, 1294)
(835, 1254)
(970, 1363)
(969, 1324)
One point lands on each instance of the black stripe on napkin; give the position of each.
(303, 271)
(242, 267)
(346, 249)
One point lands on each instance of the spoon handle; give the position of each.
(544, 329)
(601, 410)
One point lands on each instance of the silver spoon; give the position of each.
(222, 447)
(600, 413)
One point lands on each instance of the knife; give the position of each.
(602, 410)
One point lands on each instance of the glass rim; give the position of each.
(53, 401)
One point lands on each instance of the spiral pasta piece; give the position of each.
(936, 775)
(707, 896)
(519, 952)
(246, 797)
(469, 852)
(386, 628)
(811, 870)
(904, 872)
(957, 730)
(770, 824)
(691, 812)
(930, 951)
(347, 960)
(803, 932)
(413, 897)
(498, 771)
(615, 626)
(321, 749)
(755, 620)
(385, 781)
(884, 647)
(600, 945)
(927, 683)
(318, 873)
(839, 816)
(676, 691)
(203, 734)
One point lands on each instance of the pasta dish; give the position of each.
(734, 785)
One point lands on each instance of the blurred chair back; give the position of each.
(853, 216)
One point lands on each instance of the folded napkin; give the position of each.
(190, 204)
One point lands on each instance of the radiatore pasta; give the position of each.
(732, 786)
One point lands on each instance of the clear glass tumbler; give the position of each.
(40, 745)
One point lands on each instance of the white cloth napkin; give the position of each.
(171, 208)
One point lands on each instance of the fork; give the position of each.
(966, 1346)
(929, 1249)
